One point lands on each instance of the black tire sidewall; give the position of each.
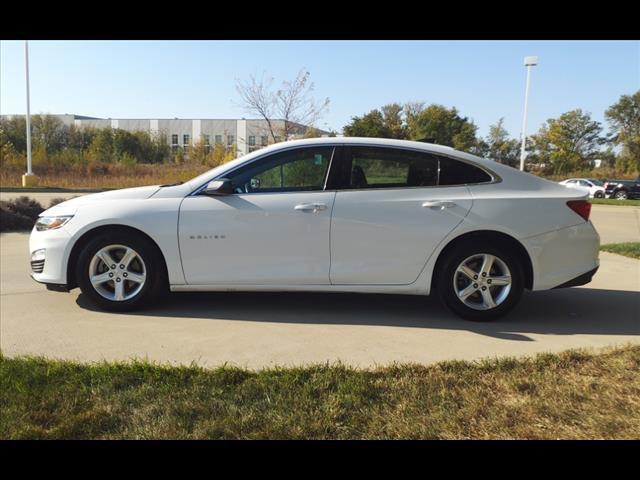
(621, 195)
(447, 294)
(152, 261)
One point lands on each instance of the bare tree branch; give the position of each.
(292, 102)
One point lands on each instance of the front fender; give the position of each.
(157, 218)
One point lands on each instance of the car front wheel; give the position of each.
(480, 282)
(120, 272)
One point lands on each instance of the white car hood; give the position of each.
(70, 206)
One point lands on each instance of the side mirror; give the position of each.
(222, 186)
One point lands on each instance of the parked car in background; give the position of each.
(622, 189)
(326, 215)
(594, 187)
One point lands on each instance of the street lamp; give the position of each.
(528, 62)
(28, 179)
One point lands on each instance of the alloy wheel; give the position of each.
(117, 272)
(482, 281)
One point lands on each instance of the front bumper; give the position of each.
(56, 245)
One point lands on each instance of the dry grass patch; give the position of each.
(576, 394)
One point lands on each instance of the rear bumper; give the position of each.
(564, 256)
(579, 280)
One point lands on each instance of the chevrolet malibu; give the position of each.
(326, 215)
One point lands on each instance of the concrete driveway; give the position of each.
(256, 330)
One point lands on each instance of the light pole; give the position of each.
(28, 179)
(528, 62)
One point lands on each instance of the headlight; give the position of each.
(51, 223)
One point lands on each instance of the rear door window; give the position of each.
(382, 167)
(375, 167)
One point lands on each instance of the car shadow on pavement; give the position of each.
(557, 312)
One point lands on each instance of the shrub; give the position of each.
(26, 206)
(19, 214)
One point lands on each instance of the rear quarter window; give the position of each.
(455, 172)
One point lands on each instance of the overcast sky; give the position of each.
(485, 80)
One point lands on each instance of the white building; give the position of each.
(246, 134)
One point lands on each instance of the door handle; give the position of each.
(438, 204)
(310, 207)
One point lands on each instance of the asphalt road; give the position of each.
(256, 330)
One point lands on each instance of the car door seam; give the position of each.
(178, 239)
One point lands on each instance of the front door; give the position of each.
(273, 230)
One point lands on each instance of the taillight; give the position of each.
(581, 207)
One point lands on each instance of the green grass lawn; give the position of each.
(613, 201)
(628, 249)
(575, 394)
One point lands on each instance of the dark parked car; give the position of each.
(622, 189)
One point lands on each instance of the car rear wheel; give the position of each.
(120, 272)
(480, 282)
(599, 194)
(620, 195)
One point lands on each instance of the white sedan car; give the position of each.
(330, 215)
(595, 188)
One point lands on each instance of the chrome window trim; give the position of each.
(495, 178)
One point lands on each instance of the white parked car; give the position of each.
(594, 187)
(331, 215)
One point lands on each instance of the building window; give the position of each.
(252, 141)
(264, 140)
(174, 139)
(185, 139)
(218, 138)
(230, 140)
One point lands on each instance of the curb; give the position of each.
(51, 190)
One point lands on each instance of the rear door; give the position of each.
(390, 213)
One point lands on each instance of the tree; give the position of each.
(444, 126)
(200, 153)
(412, 111)
(222, 154)
(292, 103)
(624, 121)
(393, 119)
(569, 142)
(49, 134)
(500, 147)
(388, 122)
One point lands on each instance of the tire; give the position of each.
(115, 288)
(620, 195)
(598, 194)
(472, 254)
